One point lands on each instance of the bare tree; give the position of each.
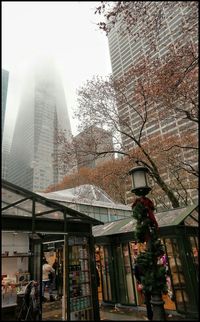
(153, 92)
(99, 101)
(150, 15)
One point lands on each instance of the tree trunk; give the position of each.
(160, 182)
(169, 193)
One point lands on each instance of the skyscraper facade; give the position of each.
(42, 112)
(89, 143)
(5, 146)
(4, 88)
(127, 51)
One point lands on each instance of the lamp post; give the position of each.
(152, 274)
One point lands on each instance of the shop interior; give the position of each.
(120, 267)
(53, 253)
(34, 227)
(17, 272)
(117, 251)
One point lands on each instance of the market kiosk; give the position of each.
(29, 222)
(117, 248)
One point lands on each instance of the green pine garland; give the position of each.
(143, 222)
(153, 276)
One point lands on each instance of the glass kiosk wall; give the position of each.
(77, 285)
(24, 213)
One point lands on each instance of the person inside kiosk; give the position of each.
(48, 273)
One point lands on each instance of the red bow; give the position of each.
(149, 206)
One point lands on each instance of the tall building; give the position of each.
(42, 111)
(5, 158)
(89, 143)
(126, 51)
(4, 88)
(4, 94)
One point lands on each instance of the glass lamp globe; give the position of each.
(139, 180)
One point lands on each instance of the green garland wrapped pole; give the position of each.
(153, 275)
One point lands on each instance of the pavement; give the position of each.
(111, 314)
(52, 311)
(135, 314)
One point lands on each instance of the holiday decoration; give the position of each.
(153, 275)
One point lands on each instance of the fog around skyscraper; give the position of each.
(4, 88)
(78, 50)
(65, 30)
(42, 111)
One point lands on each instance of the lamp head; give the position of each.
(139, 180)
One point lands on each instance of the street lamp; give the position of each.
(152, 274)
(139, 180)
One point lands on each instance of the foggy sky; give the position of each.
(66, 31)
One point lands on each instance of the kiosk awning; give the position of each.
(17, 202)
(187, 216)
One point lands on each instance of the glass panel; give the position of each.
(103, 218)
(35, 266)
(178, 279)
(106, 283)
(165, 218)
(195, 252)
(120, 275)
(135, 248)
(108, 273)
(9, 197)
(98, 267)
(37, 262)
(54, 215)
(128, 274)
(193, 219)
(169, 297)
(139, 179)
(22, 209)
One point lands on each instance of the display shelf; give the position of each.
(17, 284)
(80, 280)
(74, 286)
(81, 310)
(8, 305)
(16, 255)
(80, 297)
(83, 315)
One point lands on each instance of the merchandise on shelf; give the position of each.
(79, 279)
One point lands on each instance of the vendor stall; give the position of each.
(118, 248)
(29, 221)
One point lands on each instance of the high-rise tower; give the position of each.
(128, 50)
(33, 160)
(4, 93)
(92, 141)
(4, 88)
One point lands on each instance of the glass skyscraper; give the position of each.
(4, 88)
(42, 111)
